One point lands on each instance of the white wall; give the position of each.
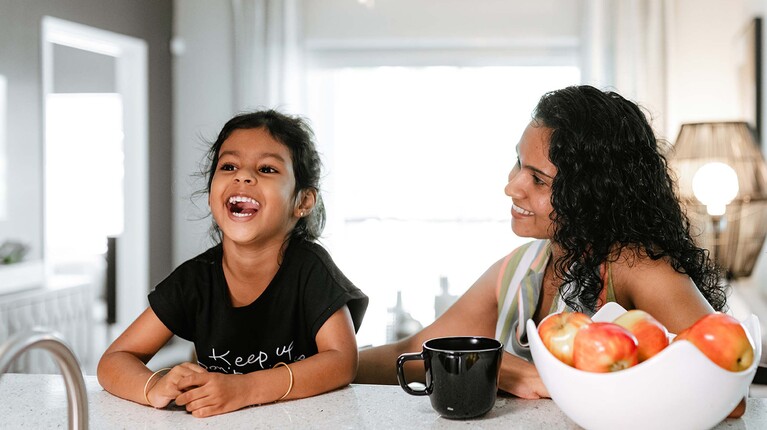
(703, 61)
(474, 20)
(451, 32)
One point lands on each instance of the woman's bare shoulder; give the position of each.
(641, 282)
(630, 262)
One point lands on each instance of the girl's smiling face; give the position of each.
(252, 193)
(529, 185)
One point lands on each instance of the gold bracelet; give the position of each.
(147, 384)
(290, 387)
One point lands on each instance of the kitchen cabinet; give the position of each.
(63, 305)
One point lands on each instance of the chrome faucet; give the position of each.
(77, 399)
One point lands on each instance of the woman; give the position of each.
(593, 187)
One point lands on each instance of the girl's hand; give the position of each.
(167, 388)
(209, 393)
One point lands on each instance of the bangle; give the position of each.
(290, 387)
(147, 384)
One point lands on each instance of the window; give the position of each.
(416, 159)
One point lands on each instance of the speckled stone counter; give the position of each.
(39, 402)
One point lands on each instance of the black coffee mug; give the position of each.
(461, 374)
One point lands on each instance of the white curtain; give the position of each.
(267, 70)
(624, 50)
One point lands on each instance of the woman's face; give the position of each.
(529, 185)
(251, 194)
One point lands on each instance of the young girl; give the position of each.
(270, 314)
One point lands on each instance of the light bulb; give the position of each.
(715, 184)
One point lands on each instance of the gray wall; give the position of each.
(203, 101)
(20, 63)
(79, 71)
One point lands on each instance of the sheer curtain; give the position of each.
(267, 70)
(624, 49)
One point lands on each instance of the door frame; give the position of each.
(132, 277)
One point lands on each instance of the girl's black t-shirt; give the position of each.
(279, 326)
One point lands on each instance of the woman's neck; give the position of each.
(556, 253)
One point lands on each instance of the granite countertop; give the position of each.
(39, 401)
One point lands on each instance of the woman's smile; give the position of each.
(518, 212)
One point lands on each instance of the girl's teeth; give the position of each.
(237, 199)
(243, 206)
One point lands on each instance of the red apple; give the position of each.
(604, 347)
(651, 334)
(557, 332)
(722, 339)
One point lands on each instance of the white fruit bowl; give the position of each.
(679, 388)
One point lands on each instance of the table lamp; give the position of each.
(722, 179)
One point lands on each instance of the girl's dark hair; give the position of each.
(612, 193)
(298, 137)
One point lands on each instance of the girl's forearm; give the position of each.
(320, 373)
(124, 375)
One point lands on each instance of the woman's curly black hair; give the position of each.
(613, 193)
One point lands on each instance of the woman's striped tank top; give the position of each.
(518, 289)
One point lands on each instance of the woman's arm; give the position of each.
(334, 365)
(474, 314)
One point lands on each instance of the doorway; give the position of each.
(96, 159)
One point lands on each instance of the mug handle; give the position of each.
(401, 373)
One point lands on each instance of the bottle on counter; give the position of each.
(444, 300)
(401, 323)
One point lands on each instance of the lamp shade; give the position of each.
(706, 153)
